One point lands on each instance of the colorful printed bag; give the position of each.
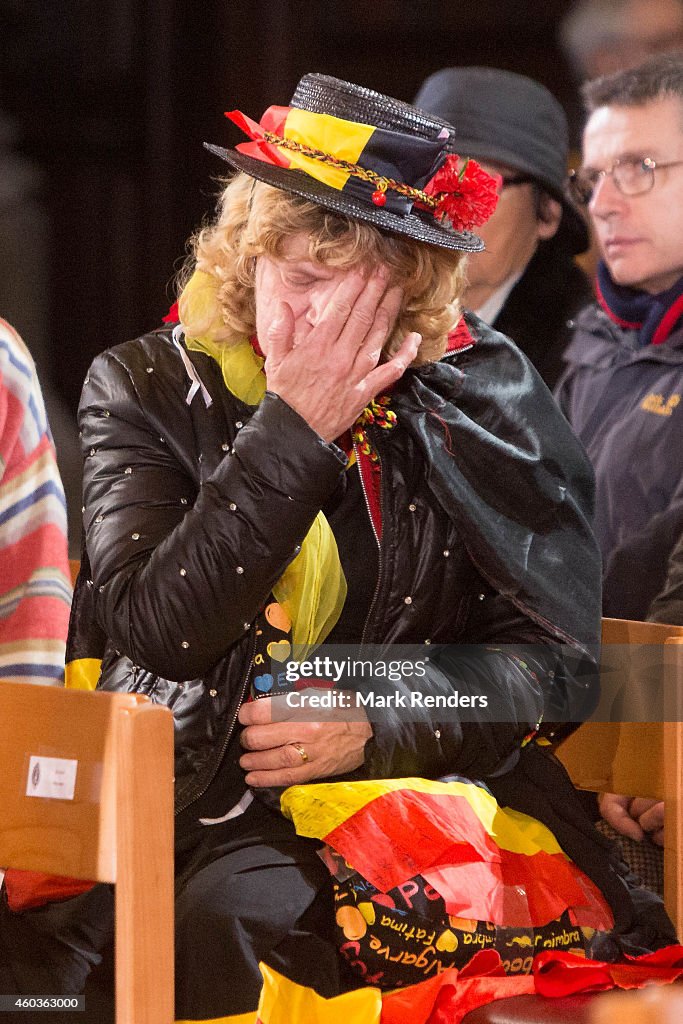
(428, 873)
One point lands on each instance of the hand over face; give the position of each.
(274, 748)
(322, 330)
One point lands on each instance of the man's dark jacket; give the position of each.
(539, 311)
(625, 403)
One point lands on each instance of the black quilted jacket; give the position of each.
(194, 506)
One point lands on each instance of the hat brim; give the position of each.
(416, 225)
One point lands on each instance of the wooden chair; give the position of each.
(639, 758)
(117, 827)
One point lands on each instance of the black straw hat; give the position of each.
(387, 154)
(511, 119)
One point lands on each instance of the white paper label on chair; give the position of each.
(52, 777)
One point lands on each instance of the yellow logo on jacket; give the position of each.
(655, 403)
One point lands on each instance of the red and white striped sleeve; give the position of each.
(35, 587)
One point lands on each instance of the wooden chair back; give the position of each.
(639, 758)
(116, 826)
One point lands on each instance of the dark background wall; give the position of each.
(107, 104)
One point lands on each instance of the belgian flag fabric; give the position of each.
(400, 157)
(486, 862)
(86, 640)
(428, 873)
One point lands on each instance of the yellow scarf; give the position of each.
(312, 589)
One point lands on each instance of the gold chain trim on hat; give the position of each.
(356, 170)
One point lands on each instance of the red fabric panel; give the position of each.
(380, 842)
(26, 889)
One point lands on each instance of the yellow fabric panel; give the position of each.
(284, 1002)
(240, 366)
(200, 311)
(82, 674)
(318, 809)
(312, 589)
(345, 140)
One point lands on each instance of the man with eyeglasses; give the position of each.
(623, 386)
(526, 284)
(624, 382)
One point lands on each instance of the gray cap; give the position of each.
(511, 119)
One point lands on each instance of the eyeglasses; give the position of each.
(632, 176)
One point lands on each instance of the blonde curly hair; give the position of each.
(255, 219)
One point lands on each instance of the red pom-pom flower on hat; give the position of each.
(466, 194)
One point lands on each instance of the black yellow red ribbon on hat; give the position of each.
(373, 164)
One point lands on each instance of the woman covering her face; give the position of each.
(322, 451)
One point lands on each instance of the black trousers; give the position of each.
(247, 890)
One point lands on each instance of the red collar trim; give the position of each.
(627, 325)
(459, 337)
(668, 322)
(371, 475)
(172, 317)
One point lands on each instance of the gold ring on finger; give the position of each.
(300, 751)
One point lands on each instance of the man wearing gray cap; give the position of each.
(526, 284)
